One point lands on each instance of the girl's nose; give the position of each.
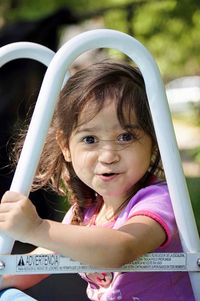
(108, 155)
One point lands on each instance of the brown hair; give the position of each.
(91, 86)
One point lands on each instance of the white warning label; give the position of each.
(56, 263)
(37, 263)
(159, 262)
(52, 263)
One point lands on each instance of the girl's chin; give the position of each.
(112, 194)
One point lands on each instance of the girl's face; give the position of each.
(107, 157)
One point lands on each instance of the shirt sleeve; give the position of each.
(154, 202)
(68, 216)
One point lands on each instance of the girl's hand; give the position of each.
(18, 216)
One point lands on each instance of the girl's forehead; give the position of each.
(89, 111)
(109, 108)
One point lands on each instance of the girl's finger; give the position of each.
(11, 196)
(6, 207)
(2, 218)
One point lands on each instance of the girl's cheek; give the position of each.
(86, 158)
(80, 161)
(83, 161)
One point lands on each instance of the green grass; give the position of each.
(194, 190)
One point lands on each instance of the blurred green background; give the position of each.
(169, 29)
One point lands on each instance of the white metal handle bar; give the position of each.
(22, 50)
(9, 53)
(105, 38)
(56, 263)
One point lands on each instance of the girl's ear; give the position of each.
(61, 142)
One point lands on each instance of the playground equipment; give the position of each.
(8, 53)
(52, 83)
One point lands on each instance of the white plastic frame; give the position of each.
(105, 38)
(9, 53)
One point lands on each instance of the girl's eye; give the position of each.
(89, 140)
(126, 138)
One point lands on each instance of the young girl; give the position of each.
(101, 151)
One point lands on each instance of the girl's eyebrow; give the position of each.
(95, 129)
(85, 129)
(132, 127)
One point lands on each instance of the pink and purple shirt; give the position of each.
(152, 201)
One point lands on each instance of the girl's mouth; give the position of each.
(108, 174)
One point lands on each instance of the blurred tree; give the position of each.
(170, 29)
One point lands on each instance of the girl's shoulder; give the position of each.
(154, 188)
(152, 201)
(153, 197)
